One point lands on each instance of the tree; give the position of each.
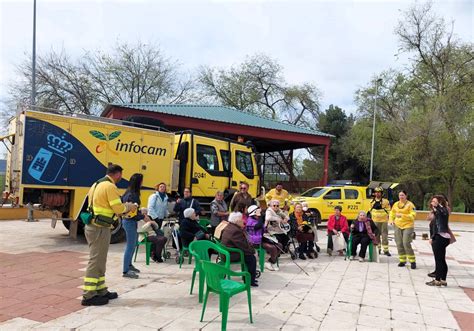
(424, 134)
(257, 86)
(130, 73)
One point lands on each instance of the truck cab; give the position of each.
(218, 164)
(352, 198)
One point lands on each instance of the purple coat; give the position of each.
(255, 236)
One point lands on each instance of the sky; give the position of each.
(337, 45)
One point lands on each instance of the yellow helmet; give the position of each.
(378, 189)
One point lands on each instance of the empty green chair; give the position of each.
(200, 252)
(217, 282)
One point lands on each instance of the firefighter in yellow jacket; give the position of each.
(379, 210)
(403, 215)
(104, 201)
(280, 194)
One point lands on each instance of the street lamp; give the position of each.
(33, 60)
(377, 82)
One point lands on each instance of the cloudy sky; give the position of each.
(337, 45)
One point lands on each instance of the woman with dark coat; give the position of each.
(439, 239)
(363, 231)
(303, 228)
(234, 236)
(189, 228)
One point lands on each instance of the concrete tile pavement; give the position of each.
(43, 270)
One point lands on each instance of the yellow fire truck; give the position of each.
(54, 159)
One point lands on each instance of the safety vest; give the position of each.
(379, 210)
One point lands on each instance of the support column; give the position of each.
(326, 164)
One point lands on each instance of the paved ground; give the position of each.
(41, 269)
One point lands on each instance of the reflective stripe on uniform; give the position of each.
(102, 279)
(115, 202)
(90, 287)
(103, 211)
(411, 258)
(91, 280)
(402, 258)
(101, 286)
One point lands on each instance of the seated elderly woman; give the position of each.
(363, 231)
(254, 229)
(276, 223)
(234, 236)
(190, 229)
(303, 228)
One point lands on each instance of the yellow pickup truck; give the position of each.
(352, 198)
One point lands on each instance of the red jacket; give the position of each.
(341, 225)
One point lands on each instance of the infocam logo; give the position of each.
(130, 147)
(143, 149)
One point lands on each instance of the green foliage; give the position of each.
(424, 133)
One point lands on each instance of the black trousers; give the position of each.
(330, 242)
(439, 244)
(158, 221)
(364, 241)
(283, 239)
(251, 263)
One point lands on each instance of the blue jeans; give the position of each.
(130, 227)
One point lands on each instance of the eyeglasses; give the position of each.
(276, 206)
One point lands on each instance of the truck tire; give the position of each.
(118, 234)
(80, 228)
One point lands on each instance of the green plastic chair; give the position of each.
(217, 282)
(200, 251)
(241, 260)
(204, 223)
(147, 245)
(181, 255)
(349, 249)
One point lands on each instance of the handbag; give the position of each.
(339, 243)
(452, 238)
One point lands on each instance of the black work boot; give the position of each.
(95, 301)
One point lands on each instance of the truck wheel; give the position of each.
(80, 228)
(118, 234)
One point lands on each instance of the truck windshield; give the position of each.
(314, 192)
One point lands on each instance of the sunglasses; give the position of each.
(243, 188)
(276, 206)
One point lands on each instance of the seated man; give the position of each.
(190, 229)
(337, 225)
(363, 231)
(234, 236)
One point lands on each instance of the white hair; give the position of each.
(188, 212)
(271, 202)
(235, 217)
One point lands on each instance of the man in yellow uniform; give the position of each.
(104, 201)
(379, 211)
(280, 194)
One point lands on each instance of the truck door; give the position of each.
(332, 198)
(352, 203)
(244, 168)
(208, 173)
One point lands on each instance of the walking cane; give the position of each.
(281, 250)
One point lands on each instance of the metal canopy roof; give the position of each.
(266, 134)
